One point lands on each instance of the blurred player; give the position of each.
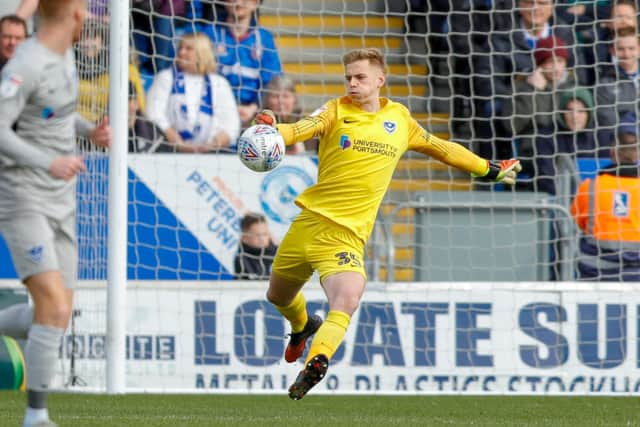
(362, 138)
(38, 90)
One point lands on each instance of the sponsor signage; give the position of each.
(405, 338)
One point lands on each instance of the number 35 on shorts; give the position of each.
(348, 258)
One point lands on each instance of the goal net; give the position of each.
(473, 286)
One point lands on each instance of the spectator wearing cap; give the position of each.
(606, 209)
(619, 88)
(572, 136)
(535, 98)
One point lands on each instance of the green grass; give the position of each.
(312, 411)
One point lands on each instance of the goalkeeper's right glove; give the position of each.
(504, 171)
(265, 117)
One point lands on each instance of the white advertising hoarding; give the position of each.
(406, 338)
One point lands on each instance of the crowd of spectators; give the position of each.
(544, 81)
(203, 65)
(514, 64)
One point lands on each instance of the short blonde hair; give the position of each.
(205, 61)
(374, 56)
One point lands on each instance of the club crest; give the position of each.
(35, 253)
(389, 126)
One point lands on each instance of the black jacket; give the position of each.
(253, 263)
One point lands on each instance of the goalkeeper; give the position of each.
(362, 138)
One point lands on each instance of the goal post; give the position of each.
(117, 199)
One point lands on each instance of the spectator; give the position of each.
(469, 27)
(192, 105)
(607, 211)
(619, 88)
(583, 17)
(143, 135)
(535, 97)
(247, 54)
(154, 31)
(13, 31)
(189, 22)
(281, 98)
(510, 57)
(98, 9)
(92, 61)
(572, 135)
(624, 14)
(256, 250)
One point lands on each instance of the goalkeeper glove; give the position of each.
(265, 117)
(504, 171)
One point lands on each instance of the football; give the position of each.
(261, 148)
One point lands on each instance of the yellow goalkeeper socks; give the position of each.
(330, 335)
(295, 313)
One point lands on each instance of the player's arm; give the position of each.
(314, 125)
(15, 89)
(459, 157)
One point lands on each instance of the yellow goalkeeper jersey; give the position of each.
(358, 154)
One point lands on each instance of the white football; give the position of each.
(261, 148)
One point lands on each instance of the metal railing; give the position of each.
(568, 239)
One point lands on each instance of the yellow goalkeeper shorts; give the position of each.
(314, 242)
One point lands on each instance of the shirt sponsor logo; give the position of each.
(621, 204)
(345, 142)
(389, 126)
(375, 147)
(48, 113)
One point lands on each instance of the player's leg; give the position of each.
(285, 294)
(16, 320)
(289, 272)
(344, 291)
(45, 256)
(339, 261)
(52, 303)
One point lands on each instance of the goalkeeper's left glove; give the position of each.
(504, 171)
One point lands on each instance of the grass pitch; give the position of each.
(243, 410)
